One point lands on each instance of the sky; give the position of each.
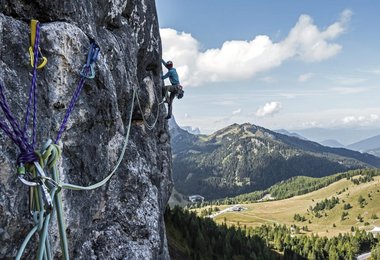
(286, 64)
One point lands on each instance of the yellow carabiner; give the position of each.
(33, 30)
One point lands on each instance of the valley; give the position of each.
(243, 158)
(329, 224)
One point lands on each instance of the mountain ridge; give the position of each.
(246, 157)
(367, 144)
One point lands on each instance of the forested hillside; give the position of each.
(244, 158)
(192, 237)
(297, 185)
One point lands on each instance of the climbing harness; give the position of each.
(38, 169)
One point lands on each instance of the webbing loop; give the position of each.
(34, 48)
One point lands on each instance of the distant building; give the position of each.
(375, 231)
(196, 198)
(237, 208)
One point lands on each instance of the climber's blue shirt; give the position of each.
(173, 76)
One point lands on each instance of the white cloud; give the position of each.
(373, 117)
(361, 120)
(237, 111)
(349, 119)
(269, 109)
(305, 77)
(309, 124)
(239, 60)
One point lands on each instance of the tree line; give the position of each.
(344, 246)
(193, 237)
(296, 186)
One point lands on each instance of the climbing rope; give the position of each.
(88, 67)
(49, 157)
(36, 167)
(44, 203)
(147, 125)
(121, 156)
(150, 127)
(45, 196)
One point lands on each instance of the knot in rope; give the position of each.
(27, 157)
(32, 164)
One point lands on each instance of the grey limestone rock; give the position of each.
(124, 218)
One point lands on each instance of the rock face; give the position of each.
(123, 219)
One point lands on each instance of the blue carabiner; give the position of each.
(88, 70)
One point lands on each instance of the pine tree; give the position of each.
(333, 255)
(375, 253)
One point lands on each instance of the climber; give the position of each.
(175, 88)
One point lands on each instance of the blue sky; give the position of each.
(277, 64)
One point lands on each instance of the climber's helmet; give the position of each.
(169, 64)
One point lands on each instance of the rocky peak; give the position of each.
(123, 219)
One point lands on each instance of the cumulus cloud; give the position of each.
(239, 60)
(361, 120)
(305, 77)
(269, 109)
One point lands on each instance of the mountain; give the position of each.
(346, 136)
(371, 143)
(286, 132)
(244, 158)
(375, 152)
(332, 143)
(192, 130)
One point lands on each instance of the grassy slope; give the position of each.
(283, 211)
